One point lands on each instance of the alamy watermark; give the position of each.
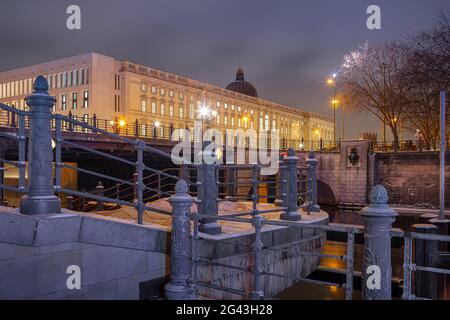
(212, 146)
(374, 20)
(73, 21)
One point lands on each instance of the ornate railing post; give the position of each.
(377, 269)
(40, 198)
(136, 128)
(99, 190)
(311, 162)
(292, 213)
(181, 247)
(208, 196)
(94, 120)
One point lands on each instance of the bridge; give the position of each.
(216, 222)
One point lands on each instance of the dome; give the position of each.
(242, 86)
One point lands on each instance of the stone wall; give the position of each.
(282, 258)
(412, 177)
(115, 258)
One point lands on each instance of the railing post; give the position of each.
(377, 269)
(117, 191)
(140, 181)
(181, 246)
(40, 198)
(208, 197)
(13, 120)
(70, 126)
(281, 186)
(99, 191)
(311, 163)
(425, 283)
(94, 120)
(257, 292)
(136, 128)
(291, 213)
(69, 200)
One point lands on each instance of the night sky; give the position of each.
(286, 48)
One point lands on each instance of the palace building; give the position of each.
(95, 84)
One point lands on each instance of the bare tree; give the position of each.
(373, 80)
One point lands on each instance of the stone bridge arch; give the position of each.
(325, 194)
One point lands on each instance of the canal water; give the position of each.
(336, 245)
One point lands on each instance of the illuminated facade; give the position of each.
(92, 83)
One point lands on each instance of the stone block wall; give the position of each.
(115, 260)
(412, 177)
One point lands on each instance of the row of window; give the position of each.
(66, 79)
(162, 92)
(74, 101)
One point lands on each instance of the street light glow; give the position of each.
(203, 111)
(157, 124)
(330, 81)
(122, 123)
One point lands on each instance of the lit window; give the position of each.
(154, 90)
(161, 91)
(181, 112)
(144, 105)
(218, 104)
(232, 107)
(171, 93)
(63, 101)
(143, 87)
(85, 99)
(239, 108)
(225, 105)
(153, 107)
(74, 100)
(232, 121)
(191, 111)
(218, 119)
(171, 110)
(162, 108)
(181, 96)
(225, 120)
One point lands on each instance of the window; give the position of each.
(218, 119)
(86, 77)
(143, 87)
(251, 111)
(162, 108)
(154, 90)
(171, 110)
(144, 105)
(191, 111)
(239, 108)
(74, 100)
(181, 96)
(63, 101)
(171, 93)
(82, 76)
(76, 77)
(181, 110)
(69, 80)
(85, 99)
(153, 107)
(232, 121)
(225, 120)
(218, 104)
(117, 103)
(64, 79)
(225, 105)
(161, 91)
(232, 107)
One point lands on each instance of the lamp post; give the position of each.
(332, 82)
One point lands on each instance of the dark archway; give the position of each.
(325, 194)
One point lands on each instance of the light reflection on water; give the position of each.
(336, 245)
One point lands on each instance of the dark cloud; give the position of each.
(286, 48)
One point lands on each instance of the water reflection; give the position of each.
(336, 245)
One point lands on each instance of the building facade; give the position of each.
(157, 102)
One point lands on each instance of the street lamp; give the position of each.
(332, 81)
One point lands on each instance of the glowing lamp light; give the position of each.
(111, 122)
(53, 144)
(334, 75)
(330, 81)
(334, 101)
(157, 124)
(122, 123)
(203, 111)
